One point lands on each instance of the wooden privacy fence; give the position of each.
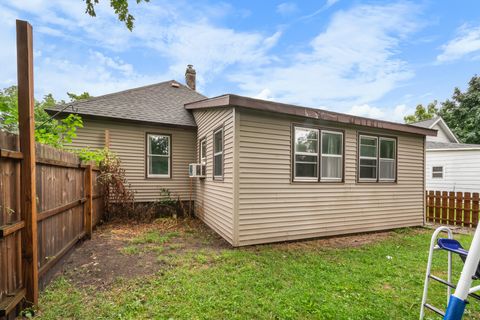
(68, 203)
(453, 208)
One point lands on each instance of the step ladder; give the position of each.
(471, 271)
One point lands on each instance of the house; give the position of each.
(451, 165)
(274, 171)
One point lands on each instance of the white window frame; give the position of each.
(203, 156)
(151, 175)
(443, 172)
(330, 155)
(218, 177)
(394, 160)
(295, 153)
(366, 157)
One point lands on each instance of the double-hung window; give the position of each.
(203, 151)
(203, 155)
(437, 172)
(377, 159)
(368, 158)
(306, 154)
(218, 154)
(332, 156)
(387, 159)
(158, 156)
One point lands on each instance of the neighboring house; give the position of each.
(274, 171)
(451, 165)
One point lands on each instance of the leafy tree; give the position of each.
(422, 113)
(462, 112)
(76, 97)
(119, 6)
(47, 131)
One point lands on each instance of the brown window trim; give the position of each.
(218, 178)
(378, 136)
(170, 158)
(292, 153)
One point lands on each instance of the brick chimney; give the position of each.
(190, 76)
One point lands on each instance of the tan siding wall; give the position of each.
(271, 208)
(128, 142)
(215, 199)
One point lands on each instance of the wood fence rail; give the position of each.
(452, 208)
(69, 205)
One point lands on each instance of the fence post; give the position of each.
(26, 123)
(88, 186)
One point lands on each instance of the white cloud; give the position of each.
(464, 44)
(352, 62)
(395, 114)
(178, 33)
(287, 8)
(368, 111)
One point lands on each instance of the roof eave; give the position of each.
(106, 118)
(263, 105)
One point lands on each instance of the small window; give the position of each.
(368, 158)
(203, 151)
(387, 159)
(437, 172)
(218, 154)
(332, 156)
(306, 154)
(158, 156)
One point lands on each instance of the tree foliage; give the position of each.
(120, 7)
(47, 131)
(422, 113)
(461, 112)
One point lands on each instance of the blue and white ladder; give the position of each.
(471, 271)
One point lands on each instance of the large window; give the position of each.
(332, 153)
(218, 154)
(317, 151)
(158, 156)
(377, 158)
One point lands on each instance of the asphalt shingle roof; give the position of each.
(157, 103)
(451, 145)
(425, 123)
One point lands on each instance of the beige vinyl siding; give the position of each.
(215, 199)
(272, 208)
(128, 142)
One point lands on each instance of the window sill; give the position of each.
(158, 177)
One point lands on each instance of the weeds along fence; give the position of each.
(452, 208)
(68, 203)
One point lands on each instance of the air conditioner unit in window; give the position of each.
(196, 170)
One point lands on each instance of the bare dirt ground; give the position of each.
(126, 249)
(100, 261)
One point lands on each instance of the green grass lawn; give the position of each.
(380, 280)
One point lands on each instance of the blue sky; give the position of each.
(372, 58)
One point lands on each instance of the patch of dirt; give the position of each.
(123, 250)
(342, 241)
(101, 261)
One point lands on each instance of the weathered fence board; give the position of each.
(459, 209)
(60, 202)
